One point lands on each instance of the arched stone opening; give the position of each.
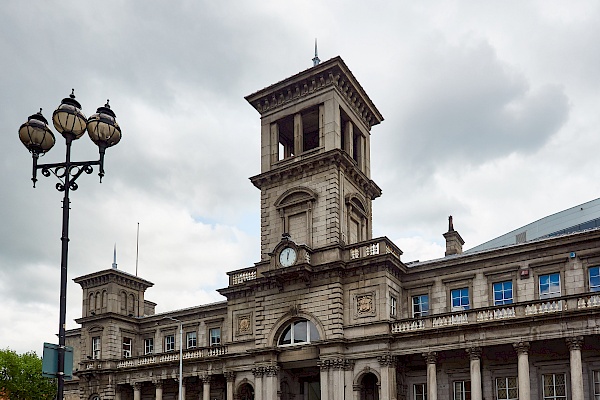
(369, 387)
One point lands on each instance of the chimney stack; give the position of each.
(453, 240)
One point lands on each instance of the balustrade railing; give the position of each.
(172, 357)
(373, 248)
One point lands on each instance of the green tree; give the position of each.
(21, 377)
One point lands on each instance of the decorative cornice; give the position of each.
(113, 275)
(331, 74)
(316, 163)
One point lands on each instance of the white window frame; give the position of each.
(215, 340)
(421, 313)
(461, 307)
(596, 269)
(596, 379)
(463, 390)
(127, 346)
(549, 396)
(191, 338)
(96, 347)
(169, 343)
(291, 325)
(505, 300)
(393, 306)
(423, 394)
(549, 294)
(148, 346)
(507, 387)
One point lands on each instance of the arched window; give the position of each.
(299, 332)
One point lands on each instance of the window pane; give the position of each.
(300, 332)
(594, 279)
(286, 336)
(314, 333)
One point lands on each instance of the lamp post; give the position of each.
(39, 139)
(180, 355)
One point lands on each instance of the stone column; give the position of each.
(522, 349)
(159, 389)
(324, 378)
(272, 382)
(431, 359)
(337, 379)
(388, 376)
(137, 391)
(348, 375)
(206, 386)
(475, 357)
(574, 344)
(298, 134)
(258, 382)
(230, 378)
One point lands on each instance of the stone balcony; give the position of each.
(565, 304)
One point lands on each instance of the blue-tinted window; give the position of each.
(594, 279)
(460, 299)
(420, 305)
(503, 293)
(550, 285)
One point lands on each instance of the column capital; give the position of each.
(431, 357)
(258, 371)
(229, 376)
(387, 360)
(205, 378)
(574, 343)
(335, 363)
(272, 370)
(521, 347)
(474, 353)
(137, 386)
(158, 383)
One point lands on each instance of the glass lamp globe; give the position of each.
(68, 118)
(103, 128)
(36, 135)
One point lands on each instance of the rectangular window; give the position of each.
(191, 340)
(596, 385)
(149, 346)
(127, 347)
(555, 387)
(594, 279)
(393, 306)
(96, 347)
(420, 306)
(215, 336)
(460, 299)
(506, 388)
(170, 343)
(420, 391)
(503, 293)
(462, 390)
(549, 285)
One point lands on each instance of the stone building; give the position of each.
(331, 313)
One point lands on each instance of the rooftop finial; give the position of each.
(316, 60)
(114, 265)
(450, 224)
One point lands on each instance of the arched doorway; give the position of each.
(245, 392)
(369, 389)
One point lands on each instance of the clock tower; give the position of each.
(315, 180)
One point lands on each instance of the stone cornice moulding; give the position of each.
(333, 73)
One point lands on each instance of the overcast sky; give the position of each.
(491, 115)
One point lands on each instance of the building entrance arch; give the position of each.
(369, 387)
(245, 392)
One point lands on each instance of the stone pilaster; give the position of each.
(230, 378)
(431, 359)
(258, 382)
(574, 344)
(522, 349)
(475, 367)
(387, 365)
(137, 391)
(206, 379)
(158, 384)
(271, 382)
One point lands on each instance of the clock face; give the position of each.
(287, 257)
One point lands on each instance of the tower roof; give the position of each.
(331, 73)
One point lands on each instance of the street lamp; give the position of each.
(180, 354)
(39, 139)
